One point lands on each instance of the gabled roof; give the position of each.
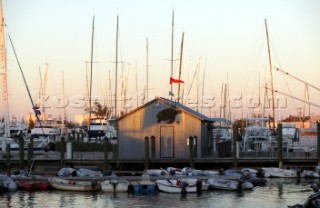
(180, 107)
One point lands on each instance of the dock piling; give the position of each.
(199, 187)
(153, 147)
(106, 156)
(8, 160)
(29, 155)
(318, 142)
(62, 151)
(279, 134)
(146, 145)
(21, 153)
(235, 145)
(191, 152)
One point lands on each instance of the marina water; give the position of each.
(276, 193)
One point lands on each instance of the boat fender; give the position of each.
(94, 183)
(178, 182)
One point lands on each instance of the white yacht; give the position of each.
(258, 135)
(289, 131)
(101, 128)
(17, 127)
(49, 128)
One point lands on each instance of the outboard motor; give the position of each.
(199, 187)
(315, 187)
(94, 183)
(221, 171)
(184, 186)
(172, 172)
(313, 200)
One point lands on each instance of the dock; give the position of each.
(49, 163)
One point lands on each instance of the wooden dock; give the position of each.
(51, 166)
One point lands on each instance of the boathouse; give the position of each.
(169, 124)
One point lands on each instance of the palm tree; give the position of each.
(99, 111)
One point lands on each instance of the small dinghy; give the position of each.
(144, 186)
(224, 184)
(74, 185)
(114, 186)
(7, 184)
(180, 185)
(279, 173)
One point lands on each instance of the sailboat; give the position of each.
(6, 137)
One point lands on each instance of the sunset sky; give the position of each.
(227, 39)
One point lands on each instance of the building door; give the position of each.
(166, 141)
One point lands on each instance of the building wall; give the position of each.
(133, 128)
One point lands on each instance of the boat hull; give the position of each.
(114, 186)
(32, 185)
(71, 185)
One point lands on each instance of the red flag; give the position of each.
(175, 80)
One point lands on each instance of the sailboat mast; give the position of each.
(41, 96)
(147, 71)
(63, 101)
(203, 82)
(116, 74)
(90, 91)
(137, 94)
(3, 65)
(44, 92)
(180, 66)
(271, 77)
(228, 98)
(172, 49)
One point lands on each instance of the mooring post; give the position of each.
(235, 145)
(114, 150)
(31, 144)
(21, 153)
(318, 142)
(106, 154)
(8, 160)
(191, 153)
(279, 133)
(62, 151)
(199, 187)
(153, 147)
(146, 153)
(70, 149)
(29, 155)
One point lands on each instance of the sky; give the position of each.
(225, 41)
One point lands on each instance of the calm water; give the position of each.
(277, 193)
